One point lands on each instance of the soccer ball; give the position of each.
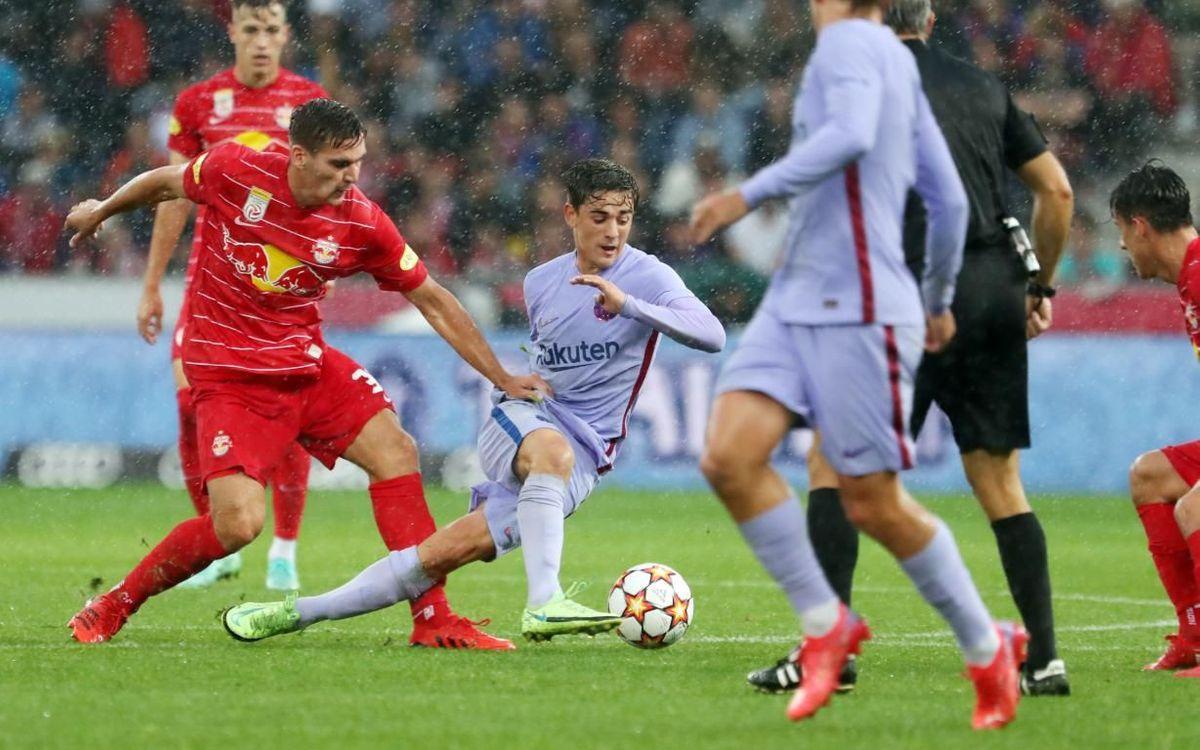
(655, 604)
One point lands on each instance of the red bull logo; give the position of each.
(272, 270)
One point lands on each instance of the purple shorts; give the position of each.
(853, 383)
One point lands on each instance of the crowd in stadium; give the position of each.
(475, 108)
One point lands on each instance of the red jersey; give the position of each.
(1189, 293)
(263, 262)
(224, 109)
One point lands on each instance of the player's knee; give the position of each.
(395, 455)
(720, 465)
(547, 452)
(236, 529)
(859, 512)
(1145, 478)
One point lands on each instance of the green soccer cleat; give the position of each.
(564, 616)
(282, 575)
(254, 621)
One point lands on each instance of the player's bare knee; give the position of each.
(721, 466)
(1187, 512)
(1146, 478)
(394, 454)
(545, 452)
(237, 528)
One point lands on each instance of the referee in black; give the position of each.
(981, 379)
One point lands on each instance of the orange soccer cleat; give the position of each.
(821, 662)
(99, 620)
(997, 686)
(1180, 654)
(456, 632)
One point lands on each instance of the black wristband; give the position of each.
(1041, 291)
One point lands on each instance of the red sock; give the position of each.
(1174, 561)
(289, 489)
(1193, 613)
(403, 519)
(189, 454)
(184, 552)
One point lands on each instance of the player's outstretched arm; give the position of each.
(454, 324)
(148, 188)
(685, 318)
(169, 221)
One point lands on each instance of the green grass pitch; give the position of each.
(173, 678)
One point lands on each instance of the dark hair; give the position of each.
(256, 4)
(909, 16)
(1154, 192)
(590, 178)
(321, 123)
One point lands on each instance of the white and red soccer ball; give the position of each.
(655, 604)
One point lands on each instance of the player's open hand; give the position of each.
(84, 219)
(529, 387)
(611, 298)
(1039, 316)
(149, 315)
(939, 329)
(714, 212)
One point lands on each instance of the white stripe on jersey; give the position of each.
(264, 220)
(241, 348)
(250, 369)
(248, 188)
(198, 316)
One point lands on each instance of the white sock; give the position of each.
(943, 580)
(540, 522)
(397, 577)
(819, 620)
(285, 548)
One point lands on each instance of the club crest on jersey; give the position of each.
(255, 207)
(222, 103)
(283, 115)
(221, 444)
(325, 251)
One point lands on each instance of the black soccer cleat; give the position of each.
(785, 677)
(1050, 680)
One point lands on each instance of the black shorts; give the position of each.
(981, 379)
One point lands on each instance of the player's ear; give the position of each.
(299, 155)
(570, 215)
(929, 24)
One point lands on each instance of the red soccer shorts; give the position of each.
(246, 426)
(1185, 459)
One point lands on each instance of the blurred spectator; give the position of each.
(30, 223)
(1086, 265)
(756, 240)
(707, 120)
(1129, 63)
(656, 51)
(688, 180)
(473, 110)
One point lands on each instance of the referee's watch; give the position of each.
(1041, 291)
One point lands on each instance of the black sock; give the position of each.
(834, 538)
(1022, 546)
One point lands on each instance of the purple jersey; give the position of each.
(596, 362)
(863, 135)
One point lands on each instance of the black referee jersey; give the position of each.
(986, 133)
